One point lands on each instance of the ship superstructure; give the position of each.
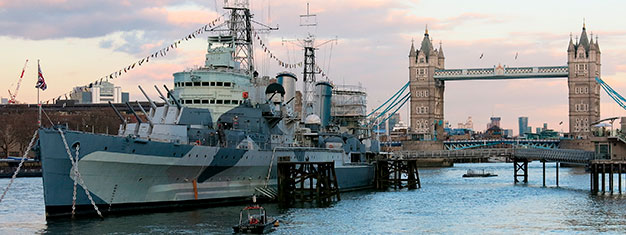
(219, 84)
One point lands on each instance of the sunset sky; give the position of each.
(80, 41)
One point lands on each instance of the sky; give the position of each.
(77, 42)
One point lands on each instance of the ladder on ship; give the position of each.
(267, 192)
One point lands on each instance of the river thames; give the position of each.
(446, 203)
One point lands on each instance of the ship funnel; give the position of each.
(324, 93)
(288, 81)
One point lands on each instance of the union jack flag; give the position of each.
(41, 83)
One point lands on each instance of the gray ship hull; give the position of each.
(128, 174)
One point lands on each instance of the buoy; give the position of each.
(276, 223)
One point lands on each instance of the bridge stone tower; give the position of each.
(583, 59)
(426, 92)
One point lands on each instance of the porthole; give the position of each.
(139, 180)
(105, 148)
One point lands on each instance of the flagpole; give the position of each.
(38, 101)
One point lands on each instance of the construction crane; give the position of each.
(13, 95)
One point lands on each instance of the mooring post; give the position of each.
(557, 174)
(544, 173)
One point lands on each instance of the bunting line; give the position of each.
(160, 53)
(272, 56)
(320, 72)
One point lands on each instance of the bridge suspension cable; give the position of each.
(619, 99)
(406, 98)
(398, 99)
(392, 97)
(391, 106)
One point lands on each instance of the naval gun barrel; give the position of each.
(147, 97)
(144, 113)
(133, 111)
(161, 95)
(117, 112)
(169, 94)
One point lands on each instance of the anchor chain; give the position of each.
(75, 183)
(77, 173)
(30, 145)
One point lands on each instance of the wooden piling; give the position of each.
(591, 178)
(544, 173)
(307, 182)
(390, 172)
(611, 179)
(603, 178)
(520, 165)
(619, 178)
(557, 174)
(596, 175)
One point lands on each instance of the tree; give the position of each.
(7, 129)
(27, 123)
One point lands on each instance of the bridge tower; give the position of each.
(583, 59)
(426, 92)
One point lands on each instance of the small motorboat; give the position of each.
(253, 219)
(473, 173)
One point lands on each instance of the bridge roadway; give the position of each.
(571, 156)
(500, 72)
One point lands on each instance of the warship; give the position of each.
(185, 156)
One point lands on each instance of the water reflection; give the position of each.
(446, 203)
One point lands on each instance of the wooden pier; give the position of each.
(603, 171)
(397, 173)
(307, 182)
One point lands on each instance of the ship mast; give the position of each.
(240, 28)
(310, 69)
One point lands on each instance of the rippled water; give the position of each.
(446, 203)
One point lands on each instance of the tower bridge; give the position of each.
(428, 75)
